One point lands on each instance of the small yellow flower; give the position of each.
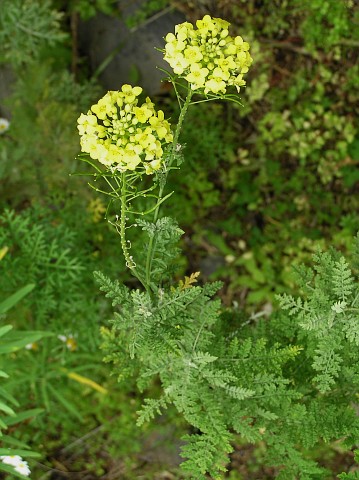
(152, 166)
(143, 113)
(215, 85)
(193, 55)
(197, 76)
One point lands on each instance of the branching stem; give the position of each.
(152, 242)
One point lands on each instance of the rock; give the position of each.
(130, 53)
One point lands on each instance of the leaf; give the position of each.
(7, 396)
(19, 339)
(20, 417)
(188, 281)
(5, 329)
(10, 469)
(150, 408)
(6, 409)
(15, 298)
(343, 282)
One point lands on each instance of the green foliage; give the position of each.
(329, 316)
(165, 233)
(26, 27)
(43, 105)
(144, 11)
(334, 21)
(35, 254)
(262, 188)
(261, 383)
(262, 162)
(8, 417)
(89, 8)
(43, 255)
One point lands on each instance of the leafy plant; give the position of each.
(11, 447)
(224, 376)
(36, 23)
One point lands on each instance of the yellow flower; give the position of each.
(197, 76)
(152, 166)
(103, 108)
(238, 82)
(194, 52)
(240, 44)
(123, 135)
(131, 159)
(193, 55)
(160, 124)
(215, 85)
(87, 124)
(143, 113)
(220, 74)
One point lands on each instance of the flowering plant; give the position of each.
(131, 140)
(208, 57)
(226, 376)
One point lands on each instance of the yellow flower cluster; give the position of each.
(208, 57)
(122, 135)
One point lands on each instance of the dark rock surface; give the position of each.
(130, 53)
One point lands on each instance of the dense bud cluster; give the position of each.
(208, 57)
(122, 135)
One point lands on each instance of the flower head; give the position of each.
(13, 460)
(18, 463)
(69, 341)
(4, 125)
(23, 468)
(123, 135)
(208, 57)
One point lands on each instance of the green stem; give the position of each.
(129, 261)
(152, 242)
(122, 231)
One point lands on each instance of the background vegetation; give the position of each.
(263, 186)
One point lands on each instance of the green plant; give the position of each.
(12, 450)
(269, 382)
(36, 23)
(64, 375)
(145, 10)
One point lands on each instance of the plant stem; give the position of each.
(152, 242)
(122, 231)
(129, 261)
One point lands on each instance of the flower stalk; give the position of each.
(152, 241)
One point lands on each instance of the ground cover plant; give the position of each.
(251, 394)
